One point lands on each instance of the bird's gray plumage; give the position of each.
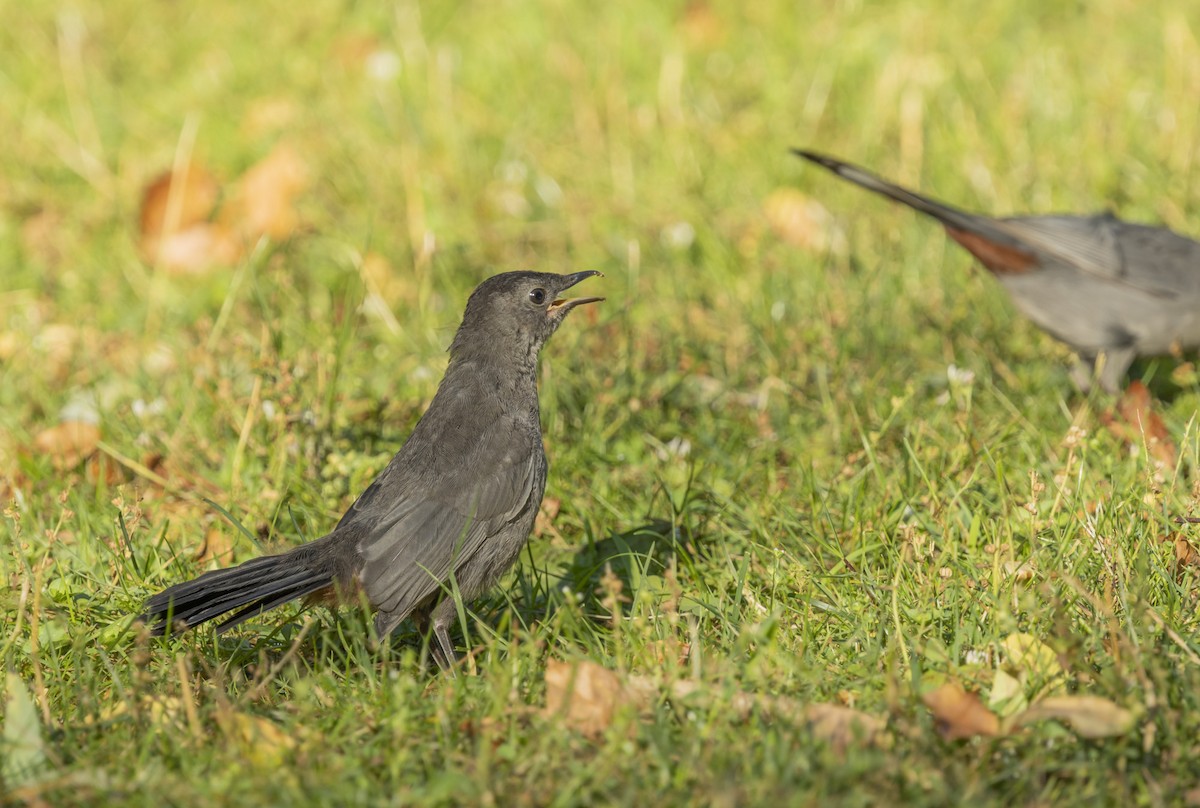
(1102, 286)
(454, 506)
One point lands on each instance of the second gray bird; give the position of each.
(453, 508)
(1104, 287)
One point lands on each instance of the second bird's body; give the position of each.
(1104, 287)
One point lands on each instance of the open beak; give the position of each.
(561, 306)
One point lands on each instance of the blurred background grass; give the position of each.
(763, 405)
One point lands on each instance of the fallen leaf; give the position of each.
(217, 546)
(547, 513)
(1007, 696)
(176, 233)
(102, 467)
(198, 249)
(959, 714)
(68, 443)
(841, 727)
(801, 221)
(585, 695)
(1134, 421)
(264, 201)
(23, 754)
(175, 202)
(835, 724)
(701, 25)
(1034, 663)
(1185, 554)
(1089, 716)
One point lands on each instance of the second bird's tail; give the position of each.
(250, 588)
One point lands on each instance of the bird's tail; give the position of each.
(250, 588)
(947, 215)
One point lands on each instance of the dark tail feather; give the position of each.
(947, 215)
(253, 587)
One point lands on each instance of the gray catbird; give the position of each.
(1102, 286)
(457, 501)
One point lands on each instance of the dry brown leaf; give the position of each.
(1185, 554)
(585, 695)
(544, 523)
(1135, 422)
(175, 229)
(197, 249)
(68, 443)
(799, 220)
(264, 201)
(833, 723)
(175, 202)
(217, 546)
(841, 727)
(1089, 716)
(102, 467)
(959, 714)
(701, 25)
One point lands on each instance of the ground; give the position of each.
(806, 457)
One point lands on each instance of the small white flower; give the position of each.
(383, 65)
(82, 408)
(960, 377)
(678, 236)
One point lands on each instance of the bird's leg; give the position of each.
(442, 617)
(1082, 372)
(444, 653)
(1114, 364)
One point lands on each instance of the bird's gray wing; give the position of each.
(410, 550)
(1152, 259)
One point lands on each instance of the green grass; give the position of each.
(838, 527)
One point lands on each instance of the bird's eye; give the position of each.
(538, 296)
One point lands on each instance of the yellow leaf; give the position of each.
(1006, 697)
(1089, 716)
(259, 741)
(1034, 663)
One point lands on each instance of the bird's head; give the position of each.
(514, 313)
